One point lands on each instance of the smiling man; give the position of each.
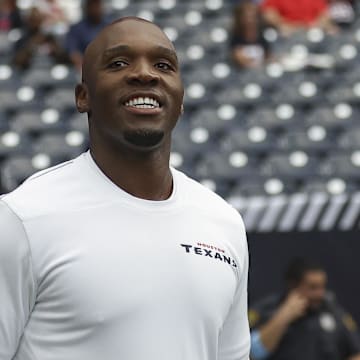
(115, 255)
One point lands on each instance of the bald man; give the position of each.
(115, 255)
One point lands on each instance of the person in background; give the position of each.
(10, 17)
(291, 16)
(249, 49)
(82, 33)
(36, 42)
(305, 322)
(55, 20)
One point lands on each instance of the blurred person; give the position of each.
(248, 45)
(303, 323)
(95, 260)
(55, 20)
(82, 33)
(36, 42)
(291, 16)
(10, 17)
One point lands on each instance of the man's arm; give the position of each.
(324, 22)
(273, 331)
(274, 18)
(17, 286)
(266, 339)
(240, 57)
(234, 340)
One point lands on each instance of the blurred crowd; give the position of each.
(46, 29)
(250, 49)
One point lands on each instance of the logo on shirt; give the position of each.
(209, 251)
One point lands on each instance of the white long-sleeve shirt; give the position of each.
(88, 271)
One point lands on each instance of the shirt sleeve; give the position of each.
(234, 340)
(17, 287)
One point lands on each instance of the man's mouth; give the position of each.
(142, 103)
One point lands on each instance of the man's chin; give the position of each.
(144, 138)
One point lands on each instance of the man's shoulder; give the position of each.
(45, 191)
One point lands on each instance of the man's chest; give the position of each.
(109, 270)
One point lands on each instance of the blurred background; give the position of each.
(271, 118)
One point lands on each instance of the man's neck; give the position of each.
(143, 175)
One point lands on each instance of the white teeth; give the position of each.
(143, 103)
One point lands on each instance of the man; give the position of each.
(114, 255)
(291, 16)
(35, 42)
(306, 323)
(80, 34)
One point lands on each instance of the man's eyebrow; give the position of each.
(126, 48)
(115, 50)
(168, 51)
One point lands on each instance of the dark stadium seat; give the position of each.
(343, 165)
(251, 139)
(12, 143)
(36, 121)
(350, 139)
(295, 165)
(191, 143)
(281, 117)
(315, 140)
(14, 170)
(60, 146)
(338, 116)
(230, 165)
(61, 98)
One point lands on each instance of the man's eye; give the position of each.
(163, 66)
(117, 64)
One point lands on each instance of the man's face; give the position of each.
(313, 287)
(133, 83)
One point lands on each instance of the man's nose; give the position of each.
(143, 73)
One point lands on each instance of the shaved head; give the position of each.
(96, 46)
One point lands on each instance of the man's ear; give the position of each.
(82, 98)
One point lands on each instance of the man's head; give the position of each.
(307, 278)
(131, 89)
(246, 15)
(34, 20)
(93, 10)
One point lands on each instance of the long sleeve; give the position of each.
(17, 287)
(234, 341)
